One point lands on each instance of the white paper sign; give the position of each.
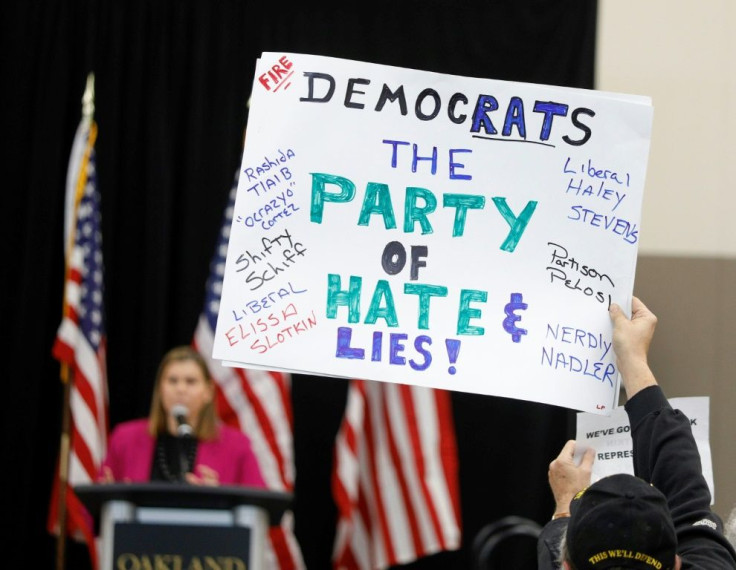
(450, 232)
(610, 437)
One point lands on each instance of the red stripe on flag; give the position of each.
(378, 507)
(79, 521)
(395, 476)
(448, 449)
(81, 450)
(86, 392)
(412, 428)
(224, 410)
(281, 548)
(264, 420)
(408, 406)
(75, 275)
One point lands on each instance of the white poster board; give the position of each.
(450, 232)
(610, 437)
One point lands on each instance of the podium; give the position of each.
(169, 525)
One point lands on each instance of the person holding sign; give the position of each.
(660, 518)
(181, 440)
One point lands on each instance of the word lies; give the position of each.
(394, 349)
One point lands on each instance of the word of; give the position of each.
(558, 360)
(618, 226)
(576, 336)
(266, 302)
(268, 164)
(509, 323)
(393, 258)
(428, 104)
(278, 265)
(561, 259)
(453, 166)
(287, 319)
(270, 182)
(609, 431)
(377, 201)
(266, 216)
(278, 75)
(382, 305)
(600, 192)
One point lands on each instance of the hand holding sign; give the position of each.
(568, 475)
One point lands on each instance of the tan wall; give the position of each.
(681, 54)
(694, 349)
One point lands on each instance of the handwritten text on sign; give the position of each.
(451, 232)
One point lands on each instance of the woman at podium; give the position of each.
(182, 439)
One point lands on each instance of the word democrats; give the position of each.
(485, 114)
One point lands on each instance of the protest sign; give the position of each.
(610, 437)
(451, 232)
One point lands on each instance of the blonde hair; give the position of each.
(206, 424)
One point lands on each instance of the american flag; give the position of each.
(80, 344)
(256, 401)
(395, 476)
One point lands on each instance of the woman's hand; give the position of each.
(106, 476)
(204, 476)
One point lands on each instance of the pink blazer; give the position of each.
(131, 447)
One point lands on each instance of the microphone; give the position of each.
(180, 412)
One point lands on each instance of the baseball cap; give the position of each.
(621, 521)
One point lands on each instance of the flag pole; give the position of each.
(67, 377)
(63, 469)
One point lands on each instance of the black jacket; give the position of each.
(665, 454)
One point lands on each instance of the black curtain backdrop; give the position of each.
(172, 81)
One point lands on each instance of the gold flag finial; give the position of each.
(88, 99)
